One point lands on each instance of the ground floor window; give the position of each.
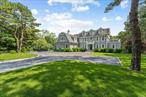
(113, 46)
(66, 46)
(102, 46)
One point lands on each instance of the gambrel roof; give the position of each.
(70, 38)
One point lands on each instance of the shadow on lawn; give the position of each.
(72, 79)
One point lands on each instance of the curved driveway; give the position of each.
(45, 57)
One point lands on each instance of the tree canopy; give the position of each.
(17, 20)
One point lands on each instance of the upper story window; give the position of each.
(91, 38)
(62, 38)
(103, 38)
(97, 38)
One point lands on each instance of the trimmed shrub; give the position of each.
(96, 50)
(82, 49)
(75, 49)
(118, 50)
(70, 50)
(103, 50)
(109, 50)
(67, 50)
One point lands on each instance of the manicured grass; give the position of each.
(73, 79)
(76, 79)
(125, 58)
(9, 56)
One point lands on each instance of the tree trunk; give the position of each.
(136, 36)
(21, 40)
(17, 45)
(18, 42)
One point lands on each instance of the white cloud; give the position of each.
(38, 20)
(118, 18)
(34, 11)
(74, 2)
(61, 22)
(47, 11)
(77, 5)
(50, 2)
(124, 4)
(80, 8)
(105, 19)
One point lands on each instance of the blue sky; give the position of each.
(77, 15)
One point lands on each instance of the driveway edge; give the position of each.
(18, 59)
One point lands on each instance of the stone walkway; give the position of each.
(8, 66)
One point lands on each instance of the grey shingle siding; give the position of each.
(88, 39)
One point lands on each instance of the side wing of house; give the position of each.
(62, 41)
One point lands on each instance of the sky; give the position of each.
(77, 15)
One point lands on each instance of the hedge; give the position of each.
(71, 50)
(108, 50)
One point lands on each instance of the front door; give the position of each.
(90, 46)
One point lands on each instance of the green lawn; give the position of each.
(9, 56)
(125, 58)
(75, 79)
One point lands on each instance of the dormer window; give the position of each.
(62, 38)
(103, 38)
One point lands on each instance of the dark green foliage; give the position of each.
(41, 45)
(118, 51)
(103, 50)
(17, 21)
(108, 50)
(82, 49)
(70, 50)
(96, 50)
(7, 42)
(112, 5)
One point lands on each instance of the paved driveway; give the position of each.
(45, 57)
(84, 54)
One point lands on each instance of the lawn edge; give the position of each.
(14, 60)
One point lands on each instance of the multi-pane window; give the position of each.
(102, 46)
(113, 46)
(102, 37)
(97, 38)
(66, 46)
(62, 38)
(91, 38)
